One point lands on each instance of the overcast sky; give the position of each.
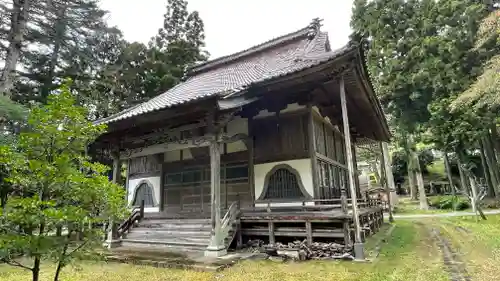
(233, 25)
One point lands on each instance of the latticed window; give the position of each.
(283, 184)
(144, 192)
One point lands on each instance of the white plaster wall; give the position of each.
(155, 182)
(303, 167)
(172, 156)
(186, 154)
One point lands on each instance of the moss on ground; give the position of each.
(409, 254)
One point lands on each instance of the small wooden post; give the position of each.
(141, 210)
(358, 245)
(346, 222)
(389, 179)
(309, 233)
(272, 239)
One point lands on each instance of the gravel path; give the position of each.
(442, 215)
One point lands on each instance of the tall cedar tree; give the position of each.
(141, 72)
(65, 37)
(13, 34)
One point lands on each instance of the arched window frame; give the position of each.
(148, 185)
(305, 194)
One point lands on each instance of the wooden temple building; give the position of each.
(259, 143)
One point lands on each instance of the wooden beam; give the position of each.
(358, 246)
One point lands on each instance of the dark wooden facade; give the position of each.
(295, 144)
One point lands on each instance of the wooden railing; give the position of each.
(318, 204)
(227, 222)
(137, 214)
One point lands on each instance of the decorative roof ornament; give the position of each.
(314, 28)
(185, 74)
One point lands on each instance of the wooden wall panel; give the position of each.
(278, 138)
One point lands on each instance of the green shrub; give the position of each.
(447, 202)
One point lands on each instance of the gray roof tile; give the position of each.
(284, 55)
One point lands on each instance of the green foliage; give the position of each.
(56, 186)
(10, 110)
(449, 202)
(139, 72)
(437, 167)
(421, 55)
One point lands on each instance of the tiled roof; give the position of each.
(228, 75)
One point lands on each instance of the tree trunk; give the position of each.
(448, 172)
(60, 28)
(62, 257)
(411, 183)
(495, 141)
(36, 264)
(36, 269)
(492, 165)
(421, 191)
(415, 166)
(473, 194)
(18, 22)
(486, 172)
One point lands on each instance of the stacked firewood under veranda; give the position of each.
(299, 250)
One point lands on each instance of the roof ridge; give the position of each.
(310, 31)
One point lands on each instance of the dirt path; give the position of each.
(452, 260)
(442, 215)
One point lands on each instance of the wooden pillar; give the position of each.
(389, 179)
(250, 149)
(216, 247)
(312, 151)
(112, 235)
(358, 242)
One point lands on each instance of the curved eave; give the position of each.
(375, 102)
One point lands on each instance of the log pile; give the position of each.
(299, 250)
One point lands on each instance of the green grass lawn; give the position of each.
(478, 241)
(408, 247)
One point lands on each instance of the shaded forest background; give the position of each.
(434, 64)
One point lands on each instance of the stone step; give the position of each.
(174, 257)
(170, 245)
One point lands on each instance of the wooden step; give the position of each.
(168, 244)
(194, 232)
(177, 221)
(166, 225)
(160, 237)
